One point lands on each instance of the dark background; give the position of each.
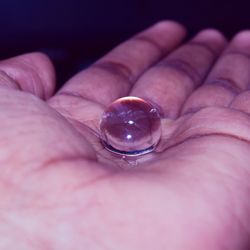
(75, 33)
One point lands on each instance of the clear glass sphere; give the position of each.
(130, 126)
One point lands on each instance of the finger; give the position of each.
(113, 75)
(171, 81)
(242, 102)
(229, 77)
(32, 72)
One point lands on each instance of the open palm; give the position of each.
(61, 190)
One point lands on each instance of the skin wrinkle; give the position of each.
(45, 79)
(86, 131)
(191, 110)
(35, 75)
(134, 56)
(59, 108)
(78, 95)
(4, 77)
(88, 126)
(68, 115)
(116, 69)
(193, 137)
(204, 46)
(194, 73)
(57, 162)
(141, 194)
(184, 68)
(70, 191)
(205, 135)
(102, 153)
(231, 102)
(153, 43)
(88, 184)
(67, 159)
(243, 110)
(66, 201)
(27, 235)
(188, 117)
(237, 53)
(226, 83)
(223, 83)
(195, 109)
(85, 128)
(230, 84)
(225, 183)
(11, 76)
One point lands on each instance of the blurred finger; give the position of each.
(113, 75)
(32, 72)
(171, 81)
(229, 77)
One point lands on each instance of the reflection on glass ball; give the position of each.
(130, 126)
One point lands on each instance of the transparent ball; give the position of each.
(131, 126)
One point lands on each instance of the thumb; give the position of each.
(31, 72)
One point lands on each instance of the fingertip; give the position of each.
(170, 28)
(32, 72)
(212, 36)
(170, 24)
(166, 32)
(44, 67)
(242, 35)
(242, 39)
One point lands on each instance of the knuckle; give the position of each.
(114, 68)
(183, 68)
(145, 39)
(226, 83)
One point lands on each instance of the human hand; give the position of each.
(57, 189)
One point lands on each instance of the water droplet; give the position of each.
(130, 127)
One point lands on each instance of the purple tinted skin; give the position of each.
(59, 192)
(130, 125)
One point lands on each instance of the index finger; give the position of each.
(112, 76)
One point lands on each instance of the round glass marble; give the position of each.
(130, 126)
